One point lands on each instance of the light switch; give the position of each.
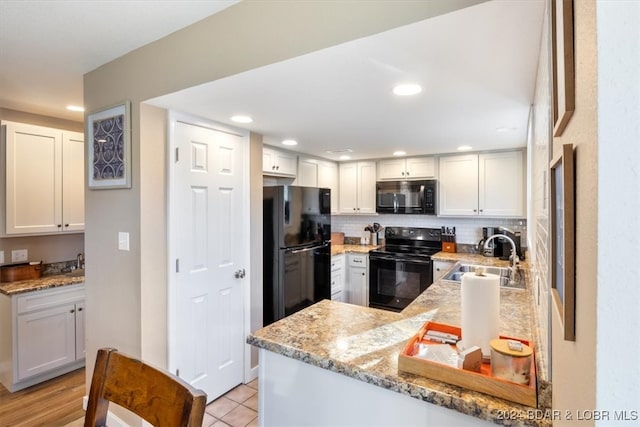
(19, 255)
(123, 240)
(1, 257)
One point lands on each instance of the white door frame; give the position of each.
(173, 117)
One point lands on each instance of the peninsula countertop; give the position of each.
(364, 343)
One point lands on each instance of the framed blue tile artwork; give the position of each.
(109, 160)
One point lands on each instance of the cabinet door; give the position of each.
(328, 178)
(46, 340)
(348, 188)
(337, 281)
(307, 173)
(72, 181)
(420, 167)
(458, 185)
(357, 286)
(366, 187)
(33, 179)
(338, 296)
(80, 343)
(268, 160)
(440, 268)
(501, 184)
(286, 163)
(392, 169)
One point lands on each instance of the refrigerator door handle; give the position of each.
(312, 248)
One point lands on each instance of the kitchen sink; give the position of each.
(458, 270)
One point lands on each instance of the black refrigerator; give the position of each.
(296, 249)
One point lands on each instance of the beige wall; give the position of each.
(47, 249)
(574, 363)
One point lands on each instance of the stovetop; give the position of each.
(411, 241)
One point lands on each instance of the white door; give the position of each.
(207, 219)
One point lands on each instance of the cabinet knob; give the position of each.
(273, 167)
(481, 210)
(59, 225)
(79, 308)
(407, 173)
(277, 168)
(66, 225)
(363, 274)
(475, 210)
(402, 173)
(72, 311)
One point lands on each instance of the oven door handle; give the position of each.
(398, 259)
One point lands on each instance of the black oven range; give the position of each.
(402, 269)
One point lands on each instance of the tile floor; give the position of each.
(237, 408)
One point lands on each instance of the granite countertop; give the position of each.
(45, 282)
(361, 249)
(364, 343)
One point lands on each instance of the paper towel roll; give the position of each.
(480, 309)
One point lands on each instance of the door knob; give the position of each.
(239, 274)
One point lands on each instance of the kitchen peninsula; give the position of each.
(343, 359)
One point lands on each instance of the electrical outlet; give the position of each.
(1, 257)
(19, 255)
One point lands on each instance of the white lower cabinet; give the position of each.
(358, 279)
(440, 268)
(337, 278)
(47, 335)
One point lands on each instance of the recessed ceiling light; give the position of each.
(289, 142)
(241, 119)
(344, 157)
(75, 108)
(340, 150)
(407, 89)
(465, 148)
(399, 153)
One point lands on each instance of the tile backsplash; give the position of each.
(468, 230)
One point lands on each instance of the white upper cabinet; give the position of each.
(501, 186)
(412, 168)
(489, 184)
(358, 188)
(307, 172)
(278, 163)
(319, 173)
(328, 178)
(44, 187)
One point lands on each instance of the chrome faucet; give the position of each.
(514, 254)
(80, 261)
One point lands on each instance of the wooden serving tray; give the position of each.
(479, 381)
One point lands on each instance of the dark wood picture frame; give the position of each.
(563, 64)
(562, 215)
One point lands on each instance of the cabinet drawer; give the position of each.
(337, 262)
(49, 298)
(358, 261)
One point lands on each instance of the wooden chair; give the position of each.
(159, 397)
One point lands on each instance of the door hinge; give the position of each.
(177, 154)
(177, 265)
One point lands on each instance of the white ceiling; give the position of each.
(46, 46)
(477, 67)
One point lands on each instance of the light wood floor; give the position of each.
(53, 403)
(58, 403)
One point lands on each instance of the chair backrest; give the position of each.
(157, 396)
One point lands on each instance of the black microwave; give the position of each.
(406, 197)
